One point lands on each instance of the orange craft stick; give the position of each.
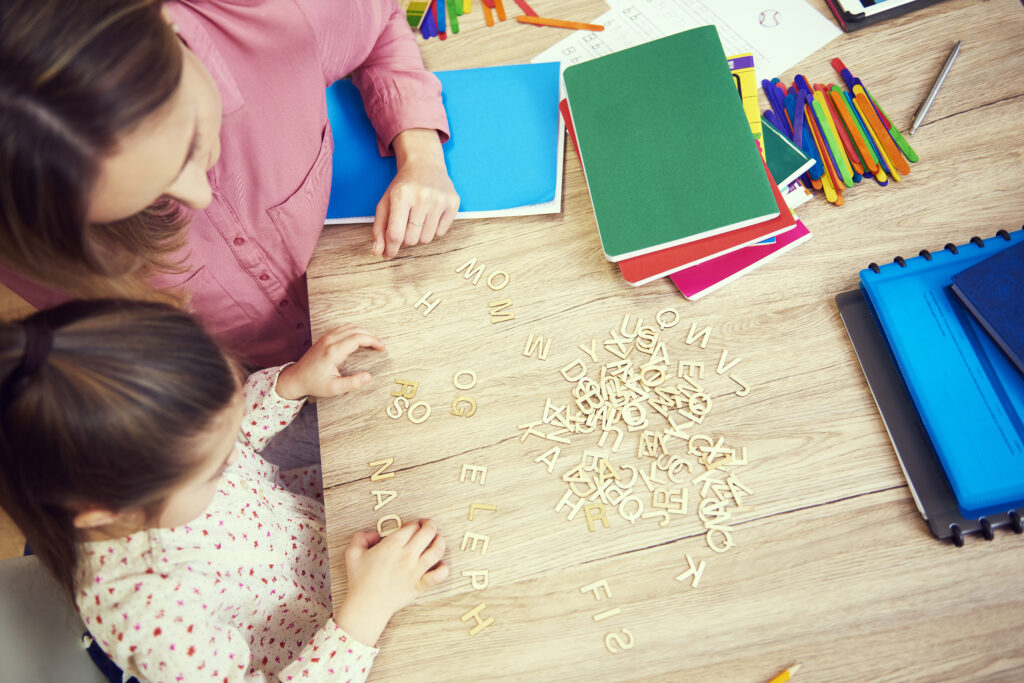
(862, 147)
(558, 23)
(488, 17)
(500, 9)
(882, 133)
(851, 152)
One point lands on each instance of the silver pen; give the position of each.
(923, 109)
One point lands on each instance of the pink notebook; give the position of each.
(706, 277)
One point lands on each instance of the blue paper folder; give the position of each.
(504, 153)
(969, 397)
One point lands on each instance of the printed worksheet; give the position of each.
(779, 33)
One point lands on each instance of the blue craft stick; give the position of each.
(775, 101)
(810, 149)
(870, 141)
(441, 25)
(425, 25)
(798, 120)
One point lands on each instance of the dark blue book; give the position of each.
(993, 291)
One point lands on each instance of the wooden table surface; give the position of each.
(832, 564)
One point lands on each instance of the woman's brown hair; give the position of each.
(100, 404)
(73, 77)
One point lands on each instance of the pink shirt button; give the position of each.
(284, 302)
(264, 277)
(239, 241)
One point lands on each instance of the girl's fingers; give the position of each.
(447, 218)
(380, 223)
(433, 554)
(344, 385)
(435, 576)
(423, 537)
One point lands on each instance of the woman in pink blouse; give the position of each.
(185, 148)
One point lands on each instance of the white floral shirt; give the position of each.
(242, 593)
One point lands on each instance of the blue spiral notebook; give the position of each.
(967, 394)
(504, 156)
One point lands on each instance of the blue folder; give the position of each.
(968, 395)
(504, 150)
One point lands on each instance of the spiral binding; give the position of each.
(952, 248)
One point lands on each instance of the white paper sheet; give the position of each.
(778, 32)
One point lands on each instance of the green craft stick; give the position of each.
(897, 137)
(453, 22)
(856, 119)
(843, 166)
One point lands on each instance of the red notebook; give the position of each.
(646, 267)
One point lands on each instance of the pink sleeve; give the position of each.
(38, 295)
(371, 40)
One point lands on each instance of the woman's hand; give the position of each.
(318, 372)
(386, 574)
(420, 203)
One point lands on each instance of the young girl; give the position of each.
(121, 121)
(129, 456)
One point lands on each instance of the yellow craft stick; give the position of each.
(558, 23)
(881, 150)
(467, 6)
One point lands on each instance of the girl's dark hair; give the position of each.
(100, 403)
(73, 77)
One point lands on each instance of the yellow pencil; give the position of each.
(786, 675)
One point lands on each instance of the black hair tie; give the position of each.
(38, 344)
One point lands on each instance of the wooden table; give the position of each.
(832, 565)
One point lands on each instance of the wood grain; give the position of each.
(833, 566)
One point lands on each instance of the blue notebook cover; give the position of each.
(504, 153)
(970, 398)
(993, 291)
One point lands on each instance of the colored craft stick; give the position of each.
(882, 176)
(527, 10)
(795, 114)
(820, 153)
(883, 158)
(798, 121)
(414, 13)
(852, 81)
(489, 3)
(428, 29)
(775, 101)
(559, 23)
(891, 151)
(818, 136)
(467, 6)
(501, 10)
(453, 16)
(826, 154)
(488, 17)
(439, 14)
(831, 139)
(844, 138)
(869, 164)
(894, 132)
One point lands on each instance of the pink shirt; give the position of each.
(271, 61)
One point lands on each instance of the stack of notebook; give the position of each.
(945, 378)
(676, 179)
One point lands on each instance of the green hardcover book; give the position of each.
(785, 160)
(666, 148)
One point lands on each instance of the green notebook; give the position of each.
(785, 160)
(666, 148)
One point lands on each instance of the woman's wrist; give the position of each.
(415, 144)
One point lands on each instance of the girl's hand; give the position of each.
(421, 202)
(318, 372)
(385, 575)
